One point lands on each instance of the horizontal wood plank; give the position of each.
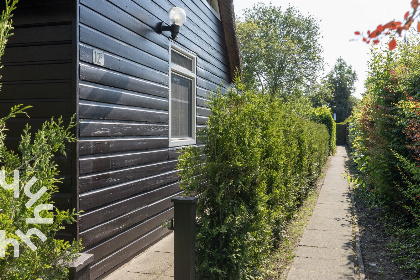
(101, 111)
(120, 129)
(106, 146)
(125, 66)
(42, 90)
(41, 53)
(104, 94)
(117, 225)
(101, 41)
(41, 109)
(110, 28)
(116, 161)
(41, 34)
(113, 244)
(108, 212)
(107, 195)
(96, 181)
(114, 79)
(33, 72)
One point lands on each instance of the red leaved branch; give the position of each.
(396, 26)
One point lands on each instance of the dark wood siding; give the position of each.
(127, 170)
(122, 172)
(38, 71)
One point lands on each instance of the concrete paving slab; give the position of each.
(342, 267)
(324, 253)
(316, 275)
(155, 263)
(318, 238)
(326, 247)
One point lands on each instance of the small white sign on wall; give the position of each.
(98, 57)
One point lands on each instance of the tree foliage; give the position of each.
(341, 79)
(280, 50)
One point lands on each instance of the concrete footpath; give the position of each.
(326, 248)
(156, 263)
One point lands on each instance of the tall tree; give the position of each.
(341, 79)
(280, 50)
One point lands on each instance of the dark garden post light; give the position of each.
(184, 239)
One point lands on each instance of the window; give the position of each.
(215, 5)
(182, 98)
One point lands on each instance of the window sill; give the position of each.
(176, 142)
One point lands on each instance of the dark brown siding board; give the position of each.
(206, 75)
(201, 120)
(120, 129)
(41, 34)
(45, 109)
(91, 110)
(42, 90)
(195, 42)
(117, 225)
(203, 112)
(19, 124)
(108, 212)
(110, 28)
(106, 146)
(110, 95)
(116, 161)
(43, 12)
(202, 102)
(42, 53)
(107, 195)
(194, 23)
(206, 66)
(119, 48)
(114, 79)
(91, 182)
(207, 85)
(113, 244)
(124, 19)
(126, 252)
(52, 71)
(205, 51)
(125, 66)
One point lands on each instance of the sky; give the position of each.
(338, 20)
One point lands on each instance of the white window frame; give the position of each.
(181, 71)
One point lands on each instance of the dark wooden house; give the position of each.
(138, 96)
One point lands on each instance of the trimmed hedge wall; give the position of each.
(258, 163)
(323, 115)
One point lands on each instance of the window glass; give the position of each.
(181, 60)
(214, 4)
(181, 106)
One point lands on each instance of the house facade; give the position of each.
(137, 95)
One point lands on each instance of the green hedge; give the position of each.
(257, 164)
(323, 115)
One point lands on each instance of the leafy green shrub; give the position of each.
(323, 115)
(51, 257)
(385, 137)
(257, 163)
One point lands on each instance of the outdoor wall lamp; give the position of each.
(177, 18)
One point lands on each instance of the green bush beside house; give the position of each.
(258, 162)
